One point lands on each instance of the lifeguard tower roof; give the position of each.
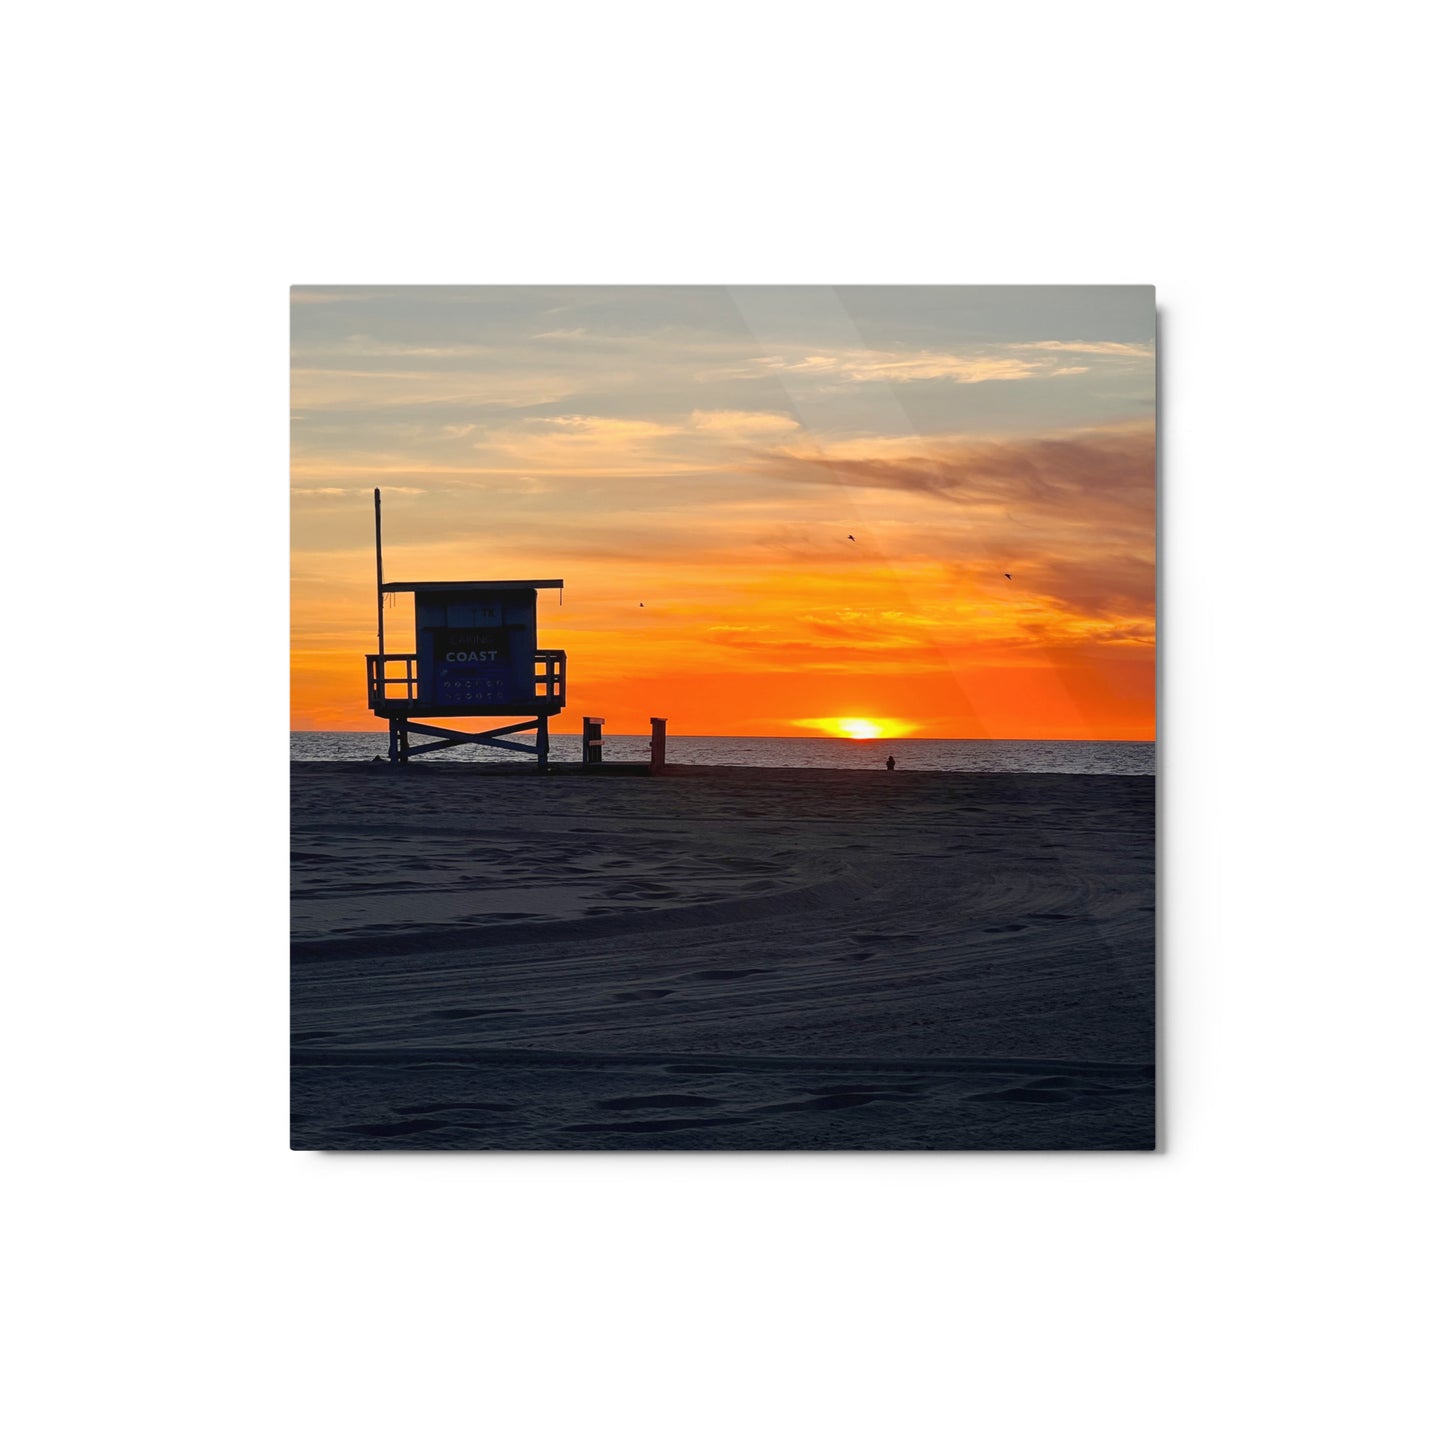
(465, 586)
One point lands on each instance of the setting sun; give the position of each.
(861, 729)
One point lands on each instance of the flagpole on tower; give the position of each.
(380, 624)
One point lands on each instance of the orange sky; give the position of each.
(708, 452)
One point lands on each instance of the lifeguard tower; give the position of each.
(476, 657)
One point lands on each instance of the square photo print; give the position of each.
(723, 717)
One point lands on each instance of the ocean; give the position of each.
(941, 755)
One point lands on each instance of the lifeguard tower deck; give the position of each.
(476, 656)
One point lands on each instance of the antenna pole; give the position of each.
(380, 625)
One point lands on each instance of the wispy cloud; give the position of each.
(1131, 349)
(906, 366)
(331, 389)
(611, 427)
(1013, 361)
(1084, 470)
(370, 346)
(742, 423)
(1071, 517)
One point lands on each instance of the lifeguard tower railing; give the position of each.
(392, 679)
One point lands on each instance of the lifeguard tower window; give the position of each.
(477, 648)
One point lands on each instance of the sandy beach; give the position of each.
(721, 959)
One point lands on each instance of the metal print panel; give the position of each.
(821, 815)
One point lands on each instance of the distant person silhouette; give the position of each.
(890, 764)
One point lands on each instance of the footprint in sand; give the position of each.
(659, 1101)
(654, 1126)
(1026, 1095)
(469, 1013)
(388, 1131)
(459, 1106)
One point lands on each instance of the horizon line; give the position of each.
(786, 737)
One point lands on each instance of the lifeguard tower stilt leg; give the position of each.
(500, 737)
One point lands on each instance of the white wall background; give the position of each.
(177, 1274)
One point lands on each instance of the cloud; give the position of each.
(332, 389)
(584, 444)
(1078, 472)
(742, 423)
(368, 346)
(1071, 517)
(1110, 583)
(610, 427)
(354, 492)
(1090, 348)
(906, 366)
(1008, 361)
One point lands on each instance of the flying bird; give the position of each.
(851, 537)
(1009, 576)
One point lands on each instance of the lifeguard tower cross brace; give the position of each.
(476, 656)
